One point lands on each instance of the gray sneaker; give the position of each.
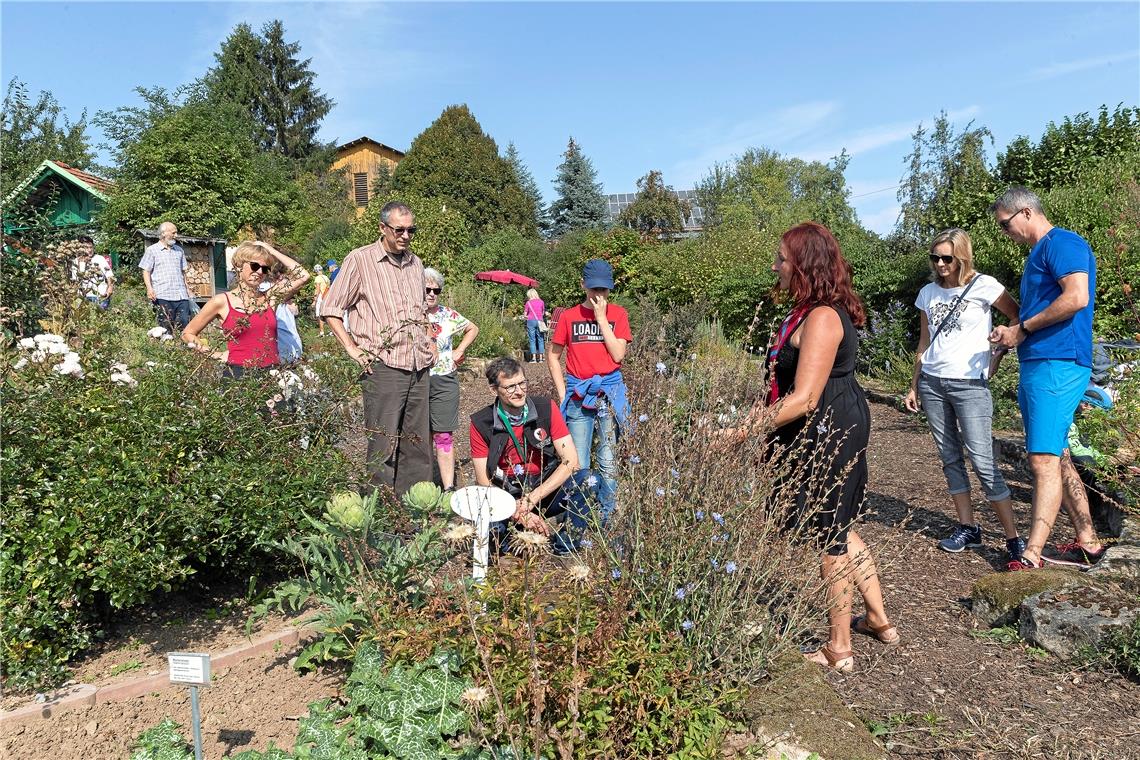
(963, 537)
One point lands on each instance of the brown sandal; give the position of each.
(844, 662)
(859, 624)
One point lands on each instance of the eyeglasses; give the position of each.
(934, 258)
(255, 266)
(514, 387)
(1004, 223)
(434, 291)
(401, 230)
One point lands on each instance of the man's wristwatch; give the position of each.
(1024, 330)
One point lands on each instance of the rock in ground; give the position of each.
(1063, 621)
(997, 597)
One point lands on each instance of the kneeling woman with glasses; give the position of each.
(951, 379)
(247, 314)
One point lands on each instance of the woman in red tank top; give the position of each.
(249, 323)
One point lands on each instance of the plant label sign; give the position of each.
(189, 668)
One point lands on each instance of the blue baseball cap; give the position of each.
(1098, 397)
(331, 262)
(598, 274)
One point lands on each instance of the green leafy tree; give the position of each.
(947, 184)
(125, 126)
(529, 188)
(656, 209)
(1066, 149)
(265, 75)
(455, 162)
(580, 204)
(199, 167)
(33, 132)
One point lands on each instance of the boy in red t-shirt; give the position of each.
(520, 443)
(594, 335)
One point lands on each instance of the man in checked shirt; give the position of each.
(381, 285)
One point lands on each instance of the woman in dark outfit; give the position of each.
(814, 392)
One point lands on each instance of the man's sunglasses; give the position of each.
(434, 291)
(934, 258)
(401, 230)
(1004, 223)
(255, 266)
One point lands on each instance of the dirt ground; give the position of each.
(944, 692)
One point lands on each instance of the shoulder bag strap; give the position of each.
(953, 306)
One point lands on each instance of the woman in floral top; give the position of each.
(443, 399)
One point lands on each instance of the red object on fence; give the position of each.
(506, 277)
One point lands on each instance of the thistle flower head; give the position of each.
(579, 572)
(459, 532)
(475, 696)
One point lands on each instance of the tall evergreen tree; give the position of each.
(35, 131)
(455, 161)
(529, 188)
(580, 203)
(264, 75)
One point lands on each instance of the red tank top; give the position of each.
(252, 337)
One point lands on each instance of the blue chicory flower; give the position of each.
(699, 514)
(718, 518)
(660, 492)
(615, 573)
(661, 368)
(635, 459)
(675, 473)
(730, 567)
(643, 418)
(715, 564)
(680, 593)
(586, 543)
(687, 625)
(518, 469)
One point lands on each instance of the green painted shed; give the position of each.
(79, 195)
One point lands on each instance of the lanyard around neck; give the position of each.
(511, 431)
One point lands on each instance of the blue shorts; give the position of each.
(1048, 394)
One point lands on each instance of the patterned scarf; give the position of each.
(789, 325)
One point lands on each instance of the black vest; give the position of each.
(535, 437)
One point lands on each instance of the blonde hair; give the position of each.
(248, 251)
(960, 248)
(532, 294)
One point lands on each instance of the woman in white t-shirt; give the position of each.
(950, 379)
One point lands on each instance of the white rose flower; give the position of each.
(38, 356)
(56, 348)
(28, 343)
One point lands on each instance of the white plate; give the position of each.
(469, 503)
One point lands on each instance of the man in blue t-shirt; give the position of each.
(1054, 348)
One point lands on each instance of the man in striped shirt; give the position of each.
(381, 285)
(164, 268)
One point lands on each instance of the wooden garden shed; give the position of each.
(362, 160)
(205, 258)
(76, 197)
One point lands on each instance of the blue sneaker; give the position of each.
(963, 537)
(1014, 548)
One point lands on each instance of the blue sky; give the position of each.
(641, 86)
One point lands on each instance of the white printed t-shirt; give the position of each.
(962, 349)
(445, 323)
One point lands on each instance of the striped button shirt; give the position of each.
(384, 296)
(166, 267)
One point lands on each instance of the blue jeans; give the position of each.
(961, 412)
(536, 338)
(582, 424)
(173, 315)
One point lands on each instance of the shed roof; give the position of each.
(93, 184)
(364, 140)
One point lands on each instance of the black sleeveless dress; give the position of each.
(833, 447)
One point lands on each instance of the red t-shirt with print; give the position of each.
(510, 457)
(586, 353)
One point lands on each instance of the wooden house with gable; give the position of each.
(363, 160)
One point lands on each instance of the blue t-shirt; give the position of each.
(1056, 255)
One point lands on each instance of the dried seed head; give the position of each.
(475, 696)
(459, 532)
(578, 572)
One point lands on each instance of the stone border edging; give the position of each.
(86, 695)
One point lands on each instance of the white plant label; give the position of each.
(482, 505)
(189, 668)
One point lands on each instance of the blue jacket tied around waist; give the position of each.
(611, 386)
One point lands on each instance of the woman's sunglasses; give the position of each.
(934, 258)
(255, 266)
(434, 291)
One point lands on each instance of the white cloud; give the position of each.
(768, 130)
(1070, 67)
(881, 221)
(866, 140)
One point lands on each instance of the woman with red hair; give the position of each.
(822, 416)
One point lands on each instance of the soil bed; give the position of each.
(945, 692)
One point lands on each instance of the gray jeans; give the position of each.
(961, 412)
(396, 415)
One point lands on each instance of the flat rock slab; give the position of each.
(997, 597)
(1063, 621)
